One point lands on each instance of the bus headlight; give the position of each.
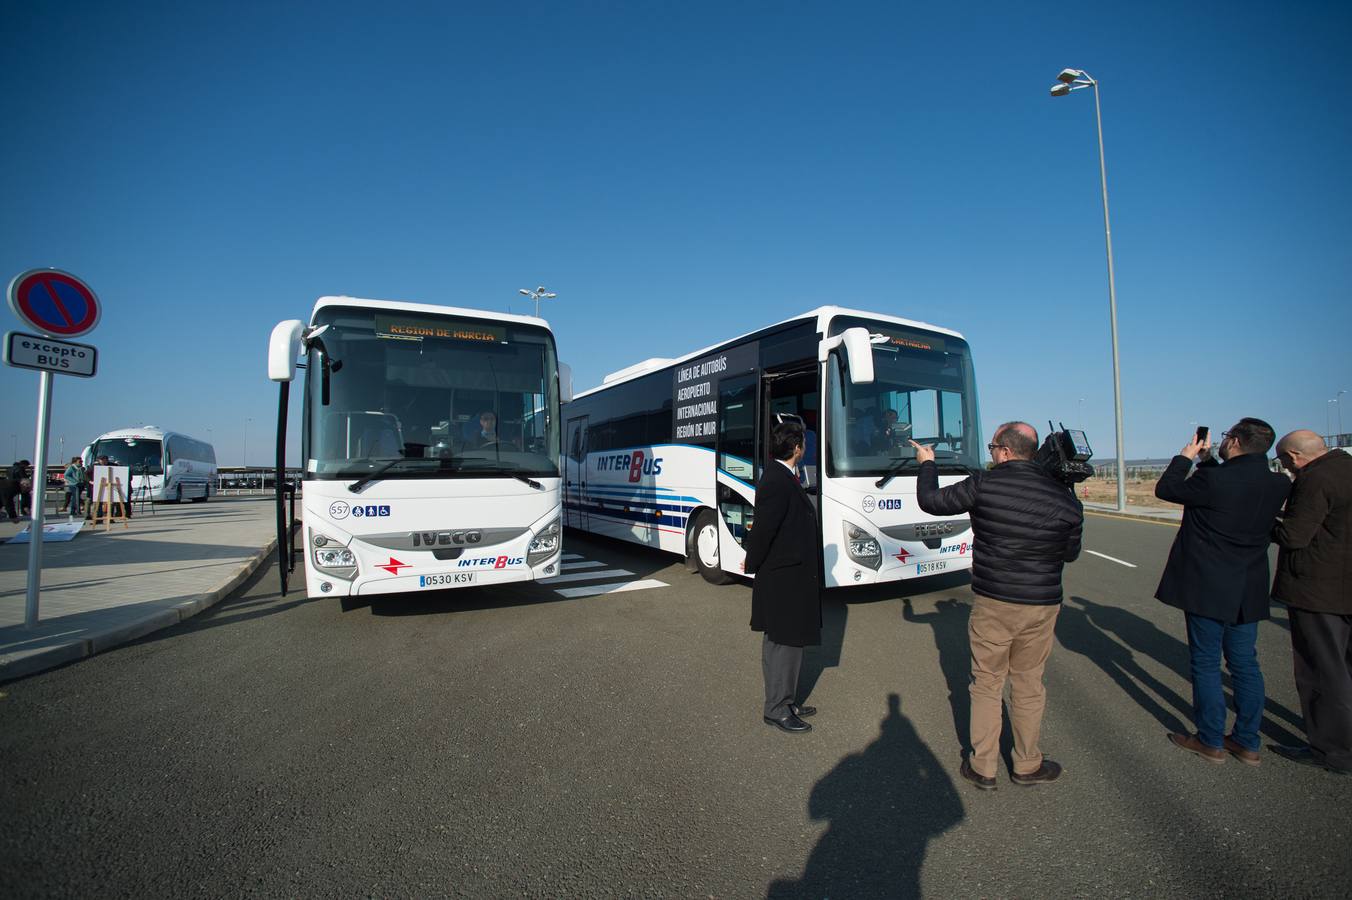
(545, 544)
(862, 547)
(335, 558)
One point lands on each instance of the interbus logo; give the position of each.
(496, 562)
(445, 538)
(637, 463)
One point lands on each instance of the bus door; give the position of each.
(739, 450)
(575, 474)
(794, 392)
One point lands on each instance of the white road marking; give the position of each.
(586, 576)
(584, 564)
(593, 590)
(1120, 562)
(568, 556)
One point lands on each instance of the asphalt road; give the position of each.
(516, 742)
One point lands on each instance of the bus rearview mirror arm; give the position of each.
(858, 344)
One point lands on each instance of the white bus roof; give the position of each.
(154, 432)
(822, 314)
(429, 308)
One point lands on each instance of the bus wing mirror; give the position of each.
(858, 353)
(565, 383)
(283, 348)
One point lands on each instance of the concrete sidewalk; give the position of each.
(103, 589)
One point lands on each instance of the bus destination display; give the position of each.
(407, 329)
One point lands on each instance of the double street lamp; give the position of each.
(537, 295)
(1076, 80)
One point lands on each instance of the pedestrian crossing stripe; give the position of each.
(593, 590)
(595, 570)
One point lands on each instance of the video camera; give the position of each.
(1065, 455)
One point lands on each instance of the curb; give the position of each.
(75, 650)
(1133, 517)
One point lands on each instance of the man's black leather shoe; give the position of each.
(802, 712)
(981, 781)
(789, 723)
(1304, 756)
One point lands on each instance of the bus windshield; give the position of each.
(465, 397)
(141, 455)
(923, 390)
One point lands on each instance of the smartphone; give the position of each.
(1202, 431)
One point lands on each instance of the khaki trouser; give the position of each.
(1009, 640)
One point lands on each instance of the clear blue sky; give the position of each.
(681, 173)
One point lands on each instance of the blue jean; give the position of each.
(73, 493)
(1207, 640)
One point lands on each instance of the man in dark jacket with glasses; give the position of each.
(1217, 574)
(1027, 527)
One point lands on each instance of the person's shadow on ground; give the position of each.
(884, 805)
(1088, 632)
(826, 655)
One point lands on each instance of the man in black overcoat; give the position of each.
(1314, 580)
(1218, 575)
(782, 551)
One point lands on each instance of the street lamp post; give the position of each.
(1074, 80)
(1328, 421)
(1340, 412)
(537, 295)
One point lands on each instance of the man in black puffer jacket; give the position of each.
(1027, 527)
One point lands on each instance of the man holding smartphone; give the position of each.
(1218, 575)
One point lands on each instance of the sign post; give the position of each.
(58, 305)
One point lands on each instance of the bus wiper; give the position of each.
(528, 480)
(894, 471)
(360, 484)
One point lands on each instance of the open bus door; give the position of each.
(738, 461)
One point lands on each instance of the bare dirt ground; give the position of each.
(1101, 490)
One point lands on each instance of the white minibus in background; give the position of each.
(165, 465)
(668, 452)
(429, 444)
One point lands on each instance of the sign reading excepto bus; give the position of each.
(29, 351)
(410, 329)
(695, 390)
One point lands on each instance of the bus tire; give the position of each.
(703, 544)
(178, 493)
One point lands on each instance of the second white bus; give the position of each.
(667, 453)
(165, 465)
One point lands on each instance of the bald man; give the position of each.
(1027, 527)
(1314, 580)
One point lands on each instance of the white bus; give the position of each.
(165, 465)
(429, 443)
(667, 453)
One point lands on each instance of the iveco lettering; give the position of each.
(430, 432)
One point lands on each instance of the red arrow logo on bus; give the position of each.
(393, 566)
(903, 554)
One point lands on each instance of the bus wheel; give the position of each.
(178, 494)
(704, 547)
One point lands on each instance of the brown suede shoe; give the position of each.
(1047, 772)
(1241, 753)
(1190, 743)
(981, 781)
